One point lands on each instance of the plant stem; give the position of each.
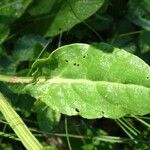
(10, 136)
(16, 123)
(142, 121)
(66, 129)
(130, 33)
(14, 79)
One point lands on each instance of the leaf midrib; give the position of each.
(64, 80)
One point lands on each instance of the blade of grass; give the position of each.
(10, 136)
(66, 130)
(142, 121)
(130, 33)
(129, 124)
(125, 130)
(127, 127)
(4, 129)
(104, 138)
(16, 123)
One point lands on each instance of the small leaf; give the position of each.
(91, 82)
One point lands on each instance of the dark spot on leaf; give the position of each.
(147, 78)
(78, 65)
(102, 113)
(84, 56)
(74, 64)
(59, 29)
(66, 61)
(77, 110)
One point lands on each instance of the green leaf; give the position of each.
(144, 41)
(72, 61)
(10, 10)
(93, 82)
(64, 15)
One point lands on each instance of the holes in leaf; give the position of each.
(102, 113)
(147, 78)
(75, 64)
(77, 110)
(84, 56)
(66, 61)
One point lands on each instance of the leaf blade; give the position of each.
(98, 87)
(92, 99)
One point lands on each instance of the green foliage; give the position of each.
(6, 62)
(108, 77)
(46, 117)
(4, 30)
(96, 89)
(139, 13)
(10, 10)
(55, 22)
(28, 48)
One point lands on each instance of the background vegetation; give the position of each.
(32, 29)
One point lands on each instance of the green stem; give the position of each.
(10, 136)
(14, 79)
(16, 123)
(66, 129)
(142, 121)
(130, 33)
